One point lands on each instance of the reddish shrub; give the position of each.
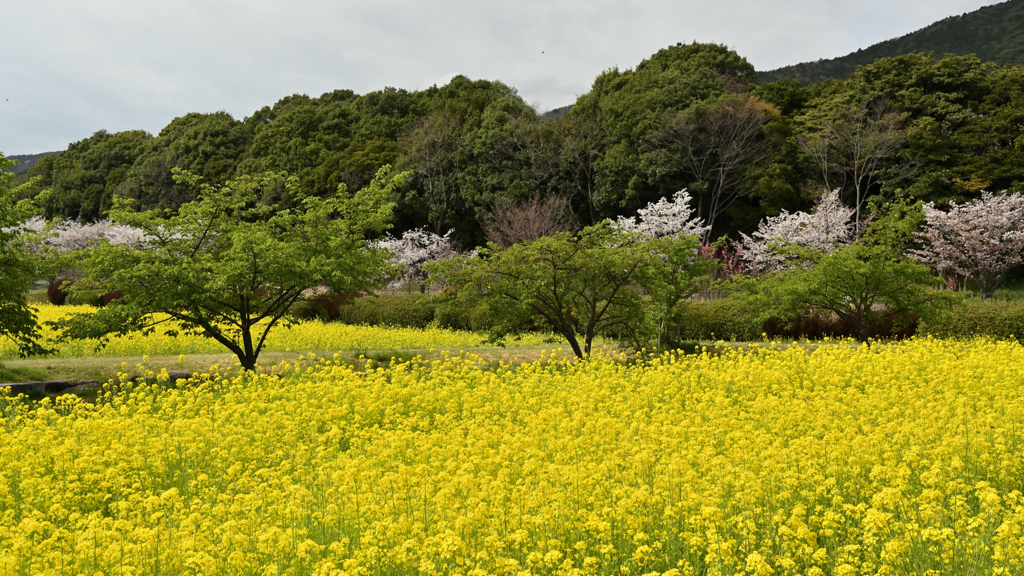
(818, 326)
(55, 294)
(328, 303)
(111, 296)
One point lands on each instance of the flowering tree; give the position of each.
(414, 249)
(74, 235)
(865, 283)
(981, 239)
(827, 227)
(663, 219)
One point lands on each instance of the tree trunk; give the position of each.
(248, 361)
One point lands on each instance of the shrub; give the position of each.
(818, 325)
(450, 315)
(726, 319)
(974, 317)
(410, 310)
(738, 319)
(323, 306)
(86, 297)
(55, 294)
(111, 296)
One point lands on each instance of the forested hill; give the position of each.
(690, 116)
(26, 161)
(993, 33)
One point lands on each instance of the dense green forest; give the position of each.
(691, 116)
(993, 33)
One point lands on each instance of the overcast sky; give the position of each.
(77, 66)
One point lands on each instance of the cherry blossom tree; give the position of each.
(414, 249)
(78, 236)
(829, 225)
(664, 219)
(981, 239)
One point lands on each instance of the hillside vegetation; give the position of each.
(691, 116)
(993, 33)
(27, 161)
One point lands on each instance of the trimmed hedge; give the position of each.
(55, 292)
(726, 319)
(409, 310)
(1002, 320)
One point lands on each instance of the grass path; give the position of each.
(105, 368)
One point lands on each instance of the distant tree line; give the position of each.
(692, 116)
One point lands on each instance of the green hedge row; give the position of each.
(1001, 320)
(726, 319)
(412, 310)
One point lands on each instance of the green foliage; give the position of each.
(208, 145)
(630, 106)
(409, 310)
(462, 315)
(726, 319)
(976, 317)
(229, 266)
(84, 297)
(577, 285)
(472, 144)
(86, 175)
(19, 266)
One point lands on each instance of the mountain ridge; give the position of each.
(994, 33)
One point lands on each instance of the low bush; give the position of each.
(476, 319)
(974, 317)
(737, 319)
(323, 306)
(408, 310)
(818, 325)
(56, 293)
(725, 319)
(86, 297)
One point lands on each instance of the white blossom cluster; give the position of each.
(663, 218)
(981, 239)
(77, 236)
(829, 225)
(414, 249)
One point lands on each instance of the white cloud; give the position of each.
(85, 65)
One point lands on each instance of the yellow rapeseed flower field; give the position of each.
(308, 335)
(893, 459)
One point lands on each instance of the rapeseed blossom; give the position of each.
(889, 459)
(307, 335)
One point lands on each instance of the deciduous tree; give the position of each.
(230, 267)
(719, 146)
(414, 249)
(513, 222)
(825, 229)
(982, 239)
(19, 265)
(864, 283)
(854, 149)
(664, 219)
(580, 285)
